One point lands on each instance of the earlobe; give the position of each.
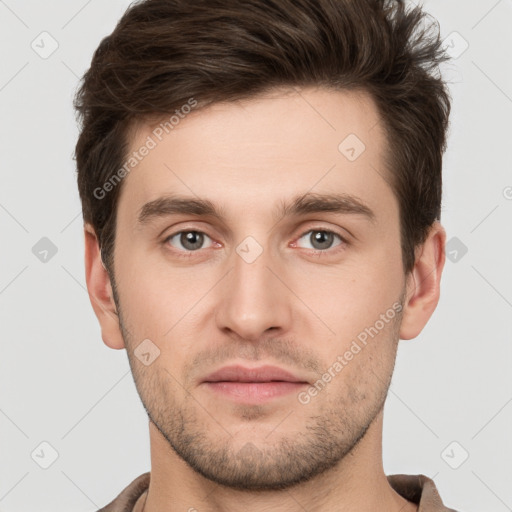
(100, 291)
(423, 283)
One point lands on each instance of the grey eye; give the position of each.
(189, 240)
(320, 239)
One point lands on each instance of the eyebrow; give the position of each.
(299, 205)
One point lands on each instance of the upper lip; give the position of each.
(265, 373)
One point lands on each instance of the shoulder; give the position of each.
(127, 498)
(419, 489)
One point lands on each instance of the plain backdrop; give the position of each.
(68, 402)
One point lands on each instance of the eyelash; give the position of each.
(315, 252)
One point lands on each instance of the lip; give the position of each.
(253, 385)
(265, 373)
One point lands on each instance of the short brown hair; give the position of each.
(164, 52)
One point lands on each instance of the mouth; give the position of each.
(253, 385)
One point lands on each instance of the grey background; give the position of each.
(60, 385)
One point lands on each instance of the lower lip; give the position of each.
(255, 392)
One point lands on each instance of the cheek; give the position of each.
(360, 367)
(161, 303)
(154, 295)
(351, 296)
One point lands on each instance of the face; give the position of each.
(288, 257)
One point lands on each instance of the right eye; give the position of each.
(190, 241)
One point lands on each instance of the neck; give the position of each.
(357, 483)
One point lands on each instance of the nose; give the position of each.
(253, 299)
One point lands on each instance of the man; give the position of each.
(261, 189)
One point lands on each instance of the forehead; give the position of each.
(273, 146)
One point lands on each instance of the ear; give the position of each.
(100, 291)
(423, 283)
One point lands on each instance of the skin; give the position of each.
(292, 307)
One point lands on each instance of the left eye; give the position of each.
(321, 239)
(189, 240)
